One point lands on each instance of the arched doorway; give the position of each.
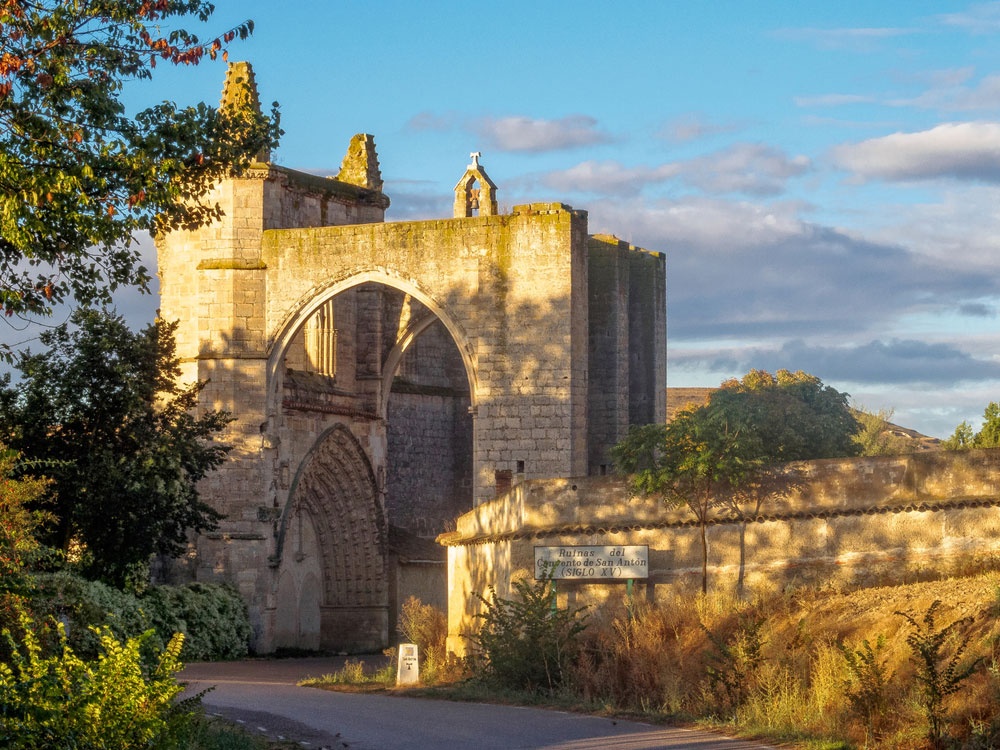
(332, 591)
(376, 372)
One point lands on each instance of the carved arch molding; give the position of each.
(336, 490)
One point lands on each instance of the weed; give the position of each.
(938, 674)
(735, 659)
(867, 689)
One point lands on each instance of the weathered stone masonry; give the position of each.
(386, 377)
(848, 522)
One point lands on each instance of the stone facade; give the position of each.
(845, 522)
(386, 377)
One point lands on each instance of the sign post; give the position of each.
(593, 564)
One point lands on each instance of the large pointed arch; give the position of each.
(320, 295)
(336, 487)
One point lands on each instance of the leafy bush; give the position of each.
(84, 607)
(867, 690)
(733, 663)
(118, 700)
(527, 643)
(212, 617)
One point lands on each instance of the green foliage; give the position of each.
(81, 177)
(527, 643)
(103, 408)
(874, 437)
(987, 437)
(790, 416)
(735, 659)
(937, 655)
(867, 689)
(211, 617)
(119, 700)
(355, 674)
(989, 434)
(21, 520)
(723, 454)
(86, 608)
(961, 439)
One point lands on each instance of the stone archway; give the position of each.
(377, 356)
(551, 327)
(331, 552)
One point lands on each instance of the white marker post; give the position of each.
(407, 665)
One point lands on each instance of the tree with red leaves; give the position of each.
(79, 178)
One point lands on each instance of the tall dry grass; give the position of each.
(778, 666)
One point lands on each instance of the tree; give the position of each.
(875, 437)
(987, 437)
(78, 176)
(726, 453)
(961, 439)
(102, 404)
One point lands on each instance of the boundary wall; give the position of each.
(848, 522)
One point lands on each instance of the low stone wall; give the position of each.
(846, 522)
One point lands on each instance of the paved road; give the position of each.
(264, 697)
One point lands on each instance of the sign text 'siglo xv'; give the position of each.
(592, 563)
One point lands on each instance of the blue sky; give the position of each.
(823, 177)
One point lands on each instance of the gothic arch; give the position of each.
(335, 486)
(318, 296)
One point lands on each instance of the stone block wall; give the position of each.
(627, 331)
(429, 477)
(850, 522)
(469, 338)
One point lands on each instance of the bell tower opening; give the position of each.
(475, 193)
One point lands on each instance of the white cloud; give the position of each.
(981, 18)
(608, 178)
(430, 121)
(965, 151)
(757, 271)
(692, 127)
(961, 227)
(518, 133)
(861, 39)
(954, 95)
(749, 168)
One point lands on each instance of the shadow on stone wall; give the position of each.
(843, 523)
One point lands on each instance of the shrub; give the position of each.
(212, 617)
(938, 673)
(84, 607)
(733, 662)
(867, 690)
(634, 657)
(426, 626)
(527, 643)
(118, 700)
